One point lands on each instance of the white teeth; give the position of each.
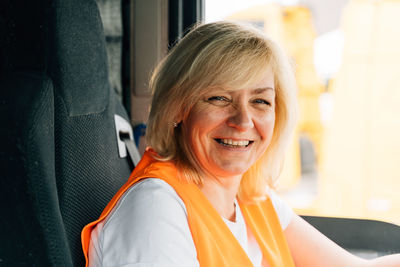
(235, 143)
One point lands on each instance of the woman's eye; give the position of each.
(218, 98)
(262, 101)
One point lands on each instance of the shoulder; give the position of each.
(149, 224)
(148, 195)
(284, 211)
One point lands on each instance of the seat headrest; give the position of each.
(77, 57)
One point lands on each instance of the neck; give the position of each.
(221, 192)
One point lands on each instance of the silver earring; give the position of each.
(175, 124)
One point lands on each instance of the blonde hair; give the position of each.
(229, 55)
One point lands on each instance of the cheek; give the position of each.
(266, 127)
(198, 124)
(202, 120)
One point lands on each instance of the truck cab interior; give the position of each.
(71, 87)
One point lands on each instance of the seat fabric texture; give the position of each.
(59, 154)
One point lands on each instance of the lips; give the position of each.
(234, 143)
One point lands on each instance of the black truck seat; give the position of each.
(60, 163)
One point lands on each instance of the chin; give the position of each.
(233, 172)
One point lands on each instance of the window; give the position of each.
(344, 160)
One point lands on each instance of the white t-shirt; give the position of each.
(148, 227)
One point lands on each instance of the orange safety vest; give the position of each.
(215, 244)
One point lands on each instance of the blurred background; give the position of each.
(344, 160)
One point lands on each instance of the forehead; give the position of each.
(264, 79)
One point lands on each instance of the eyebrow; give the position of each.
(261, 90)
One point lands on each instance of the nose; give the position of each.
(241, 118)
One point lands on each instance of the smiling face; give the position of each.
(228, 130)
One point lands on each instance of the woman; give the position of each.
(222, 113)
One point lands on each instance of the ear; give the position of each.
(179, 118)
